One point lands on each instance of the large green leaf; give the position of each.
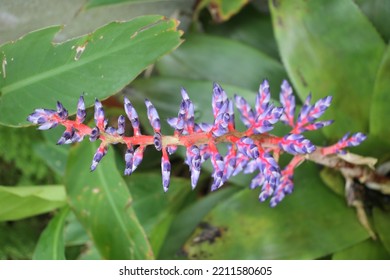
(36, 73)
(97, 3)
(156, 209)
(330, 48)
(186, 221)
(379, 114)
(102, 203)
(51, 245)
(250, 27)
(366, 250)
(54, 156)
(310, 223)
(382, 227)
(221, 60)
(18, 240)
(221, 10)
(21, 202)
(77, 20)
(378, 11)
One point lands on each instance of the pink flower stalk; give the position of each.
(252, 150)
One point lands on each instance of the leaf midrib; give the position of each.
(112, 205)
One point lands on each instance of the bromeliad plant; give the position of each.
(252, 150)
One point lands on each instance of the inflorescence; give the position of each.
(252, 150)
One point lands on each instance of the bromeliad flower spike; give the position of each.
(249, 151)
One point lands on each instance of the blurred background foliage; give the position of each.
(52, 207)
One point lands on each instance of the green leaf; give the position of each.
(382, 226)
(97, 3)
(221, 10)
(75, 233)
(334, 180)
(18, 240)
(310, 223)
(221, 60)
(187, 220)
(21, 202)
(36, 73)
(323, 54)
(102, 203)
(378, 11)
(366, 250)
(54, 156)
(154, 208)
(251, 28)
(51, 245)
(379, 114)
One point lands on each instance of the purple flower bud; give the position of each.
(320, 107)
(241, 162)
(218, 100)
(81, 113)
(250, 167)
(246, 114)
(171, 149)
(193, 160)
(205, 127)
(77, 137)
(218, 165)
(121, 125)
(157, 140)
(138, 156)
(296, 144)
(276, 199)
(257, 181)
(230, 166)
(172, 122)
(61, 111)
(217, 182)
(66, 137)
(356, 139)
(194, 177)
(305, 110)
(315, 126)
(285, 187)
(110, 130)
(230, 162)
(287, 99)
(247, 147)
(95, 133)
(48, 125)
(230, 113)
(129, 156)
(184, 94)
(132, 115)
(309, 113)
(166, 172)
(262, 98)
(266, 192)
(99, 115)
(43, 117)
(100, 153)
(267, 119)
(153, 117)
(221, 124)
(347, 141)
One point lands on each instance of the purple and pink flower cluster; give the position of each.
(249, 151)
